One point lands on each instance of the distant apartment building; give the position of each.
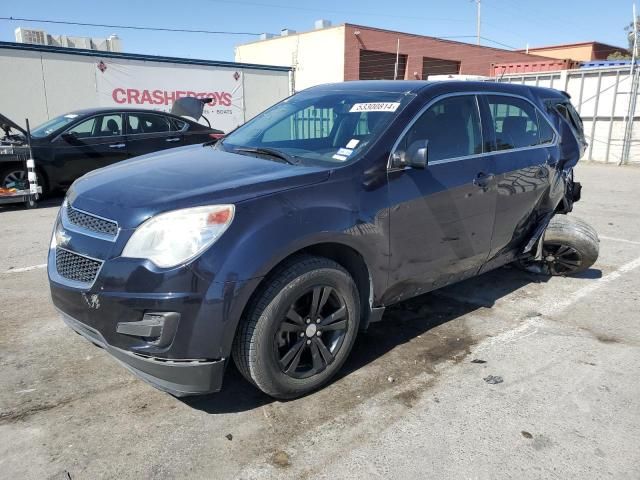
(355, 52)
(40, 37)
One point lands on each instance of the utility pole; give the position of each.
(478, 20)
(633, 97)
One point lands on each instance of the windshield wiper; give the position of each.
(272, 152)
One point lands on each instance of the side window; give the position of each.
(110, 125)
(515, 122)
(545, 132)
(178, 125)
(148, 123)
(83, 129)
(569, 113)
(100, 126)
(452, 127)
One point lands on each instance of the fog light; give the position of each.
(157, 328)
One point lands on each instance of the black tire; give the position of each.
(570, 246)
(10, 173)
(278, 323)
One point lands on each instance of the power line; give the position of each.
(499, 43)
(129, 27)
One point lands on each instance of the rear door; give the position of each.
(150, 132)
(441, 218)
(192, 132)
(524, 164)
(90, 144)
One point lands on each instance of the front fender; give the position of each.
(267, 230)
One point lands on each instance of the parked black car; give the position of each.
(68, 146)
(279, 243)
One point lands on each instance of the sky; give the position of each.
(514, 23)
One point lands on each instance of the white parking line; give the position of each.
(622, 240)
(559, 306)
(26, 269)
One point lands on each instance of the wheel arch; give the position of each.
(345, 255)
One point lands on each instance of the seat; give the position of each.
(112, 127)
(449, 137)
(514, 132)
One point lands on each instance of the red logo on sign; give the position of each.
(164, 97)
(102, 66)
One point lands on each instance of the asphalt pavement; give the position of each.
(507, 375)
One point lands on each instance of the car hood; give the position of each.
(6, 122)
(132, 191)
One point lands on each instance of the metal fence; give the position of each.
(606, 100)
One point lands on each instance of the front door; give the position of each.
(441, 218)
(90, 144)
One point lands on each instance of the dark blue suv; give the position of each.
(275, 246)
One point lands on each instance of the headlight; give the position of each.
(172, 238)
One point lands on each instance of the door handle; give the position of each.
(117, 145)
(174, 139)
(482, 180)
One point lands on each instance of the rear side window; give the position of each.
(545, 131)
(515, 122)
(147, 123)
(566, 110)
(178, 125)
(452, 127)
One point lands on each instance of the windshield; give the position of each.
(50, 126)
(332, 126)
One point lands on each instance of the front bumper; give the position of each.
(180, 378)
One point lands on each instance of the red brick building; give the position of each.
(370, 53)
(355, 52)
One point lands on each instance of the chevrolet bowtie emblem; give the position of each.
(62, 237)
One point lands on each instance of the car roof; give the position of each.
(416, 86)
(95, 110)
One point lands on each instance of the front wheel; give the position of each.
(570, 246)
(299, 329)
(16, 177)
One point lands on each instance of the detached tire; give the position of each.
(570, 246)
(299, 329)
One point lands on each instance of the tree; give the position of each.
(619, 56)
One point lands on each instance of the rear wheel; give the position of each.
(299, 329)
(570, 246)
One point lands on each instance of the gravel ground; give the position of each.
(411, 402)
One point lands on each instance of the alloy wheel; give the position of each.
(560, 259)
(311, 332)
(16, 176)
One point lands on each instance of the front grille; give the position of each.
(91, 222)
(77, 268)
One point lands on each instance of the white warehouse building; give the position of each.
(40, 82)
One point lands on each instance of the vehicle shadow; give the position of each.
(401, 323)
(54, 200)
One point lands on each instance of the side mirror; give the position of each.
(416, 156)
(69, 136)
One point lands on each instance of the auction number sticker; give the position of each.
(375, 107)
